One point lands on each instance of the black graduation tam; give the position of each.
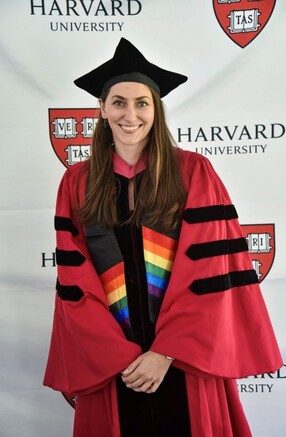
(129, 65)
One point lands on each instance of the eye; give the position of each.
(118, 103)
(142, 104)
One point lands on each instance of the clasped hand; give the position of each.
(146, 373)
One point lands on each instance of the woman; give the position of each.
(157, 306)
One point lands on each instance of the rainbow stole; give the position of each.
(159, 253)
(113, 281)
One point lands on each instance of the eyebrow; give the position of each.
(123, 98)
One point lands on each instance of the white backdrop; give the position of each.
(232, 110)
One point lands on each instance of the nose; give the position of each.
(130, 114)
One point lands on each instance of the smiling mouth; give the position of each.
(126, 128)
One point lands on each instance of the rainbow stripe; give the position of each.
(113, 281)
(159, 254)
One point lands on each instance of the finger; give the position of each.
(143, 388)
(133, 366)
(148, 385)
(136, 384)
(132, 378)
(147, 388)
(134, 375)
(153, 387)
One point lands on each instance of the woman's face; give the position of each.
(129, 109)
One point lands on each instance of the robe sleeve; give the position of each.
(88, 347)
(213, 319)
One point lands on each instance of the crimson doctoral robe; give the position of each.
(212, 320)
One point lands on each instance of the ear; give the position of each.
(102, 108)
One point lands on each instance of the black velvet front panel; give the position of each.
(165, 412)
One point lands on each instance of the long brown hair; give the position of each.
(161, 190)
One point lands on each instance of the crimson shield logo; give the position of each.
(243, 20)
(261, 246)
(71, 133)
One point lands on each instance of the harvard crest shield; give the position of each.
(243, 20)
(71, 133)
(261, 246)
